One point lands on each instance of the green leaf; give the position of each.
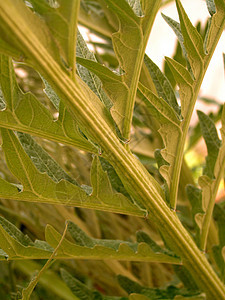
(136, 6)
(177, 30)
(212, 140)
(216, 23)
(7, 49)
(177, 56)
(128, 37)
(186, 278)
(138, 297)
(219, 250)
(14, 232)
(16, 245)
(149, 8)
(185, 82)
(152, 293)
(195, 132)
(90, 248)
(42, 160)
(94, 19)
(129, 44)
(87, 76)
(195, 197)
(192, 41)
(163, 86)
(82, 291)
(26, 292)
(11, 45)
(51, 94)
(143, 237)
(120, 88)
(170, 129)
(211, 7)
(115, 87)
(50, 281)
(213, 173)
(159, 107)
(125, 43)
(113, 177)
(61, 18)
(78, 288)
(39, 187)
(24, 112)
(113, 84)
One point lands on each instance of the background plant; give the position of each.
(83, 155)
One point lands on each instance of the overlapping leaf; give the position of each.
(213, 143)
(85, 91)
(23, 112)
(134, 290)
(91, 16)
(216, 23)
(86, 75)
(81, 291)
(195, 132)
(90, 248)
(42, 160)
(171, 292)
(11, 46)
(126, 43)
(162, 84)
(163, 111)
(61, 18)
(15, 245)
(212, 175)
(195, 197)
(129, 46)
(39, 187)
(219, 250)
(193, 42)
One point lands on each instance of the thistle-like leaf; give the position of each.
(211, 7)
(81, 291)
(219, 250)
(195, 132)
(15, 244)
(171, 292)
(192, 41)
(90, 248)
(2, 101)
(86, 75)
(24, 112)
(51, 94)
(42, 160)
(39, 187)
(209, 181)
(195, 197)
(125, 43)
(61, 18)
(170, 129)
(184, 81)
(162, 84)
(10, 44)
(212, 140)
(136, 6)
(129, 36)
(177, 30)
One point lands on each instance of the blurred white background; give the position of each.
(162, 41)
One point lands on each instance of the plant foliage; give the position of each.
(103, 132)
